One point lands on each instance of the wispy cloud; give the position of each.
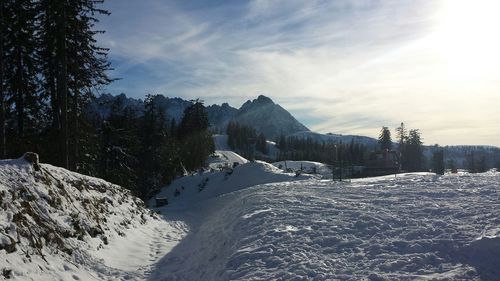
(340, 66)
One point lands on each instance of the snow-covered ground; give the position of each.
(410, 227)
(193, 189)
(254, 222)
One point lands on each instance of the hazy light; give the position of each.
(467, 37)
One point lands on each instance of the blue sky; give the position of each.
(339, 66)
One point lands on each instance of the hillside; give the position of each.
(60, 225)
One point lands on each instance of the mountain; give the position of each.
(261, 113)
(102, 106)
(268, 117)
(220, 115)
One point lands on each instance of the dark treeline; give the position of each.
(293, 148)
(50, 70)
(245, 140)
(473, 158)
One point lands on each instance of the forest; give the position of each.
(51, 68)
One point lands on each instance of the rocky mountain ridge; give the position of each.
(261, 113)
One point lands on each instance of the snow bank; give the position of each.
(60, 225)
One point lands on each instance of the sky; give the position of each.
(340, 66)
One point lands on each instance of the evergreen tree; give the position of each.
(197, 143)
(117, 159)
(73, 64)
(261, 144)
(401, 135)
(438, 162)
(152, 137)
(20, 68)
(384, 139)
(413, 153)
(243, 139)
(3, 31)
(194, 119)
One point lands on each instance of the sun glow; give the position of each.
(468, 39)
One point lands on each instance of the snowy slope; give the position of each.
(201, 187)
(60, 225)
(223, 156)
(413, 227)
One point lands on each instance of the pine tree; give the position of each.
(384, 139)
(413, 154)
(197, 143)
(73, 64)
(152, 137)
(438, 162)
(261, 144)
(3, 151)
(401, 135)
(20, 69)
(194, 119)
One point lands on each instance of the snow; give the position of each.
(67, 226)
(203, 186)
(309, 167)
(257, 222)
(223, 156)
(410, 227)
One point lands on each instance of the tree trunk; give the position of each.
(62, 84)
(75, 129)
(3, 150)
(55, 104)
(19, 93)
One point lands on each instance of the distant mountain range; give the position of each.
(261, 113)
(265, 116)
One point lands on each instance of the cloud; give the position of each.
(343, 66)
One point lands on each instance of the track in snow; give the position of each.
(409, 228)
